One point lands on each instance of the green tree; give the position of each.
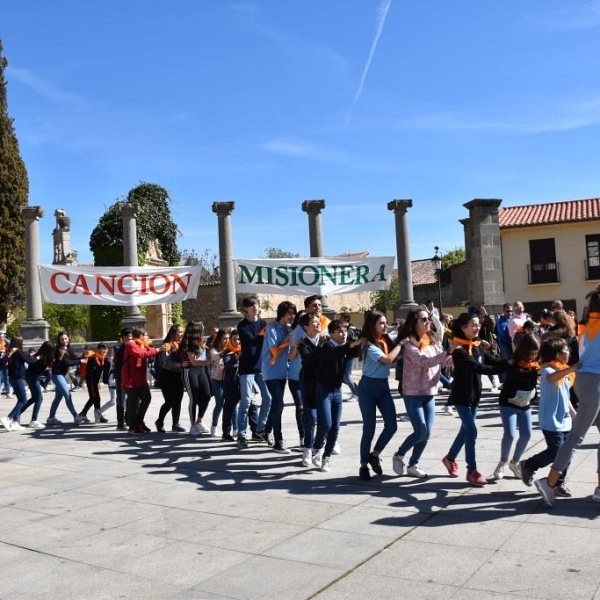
(106, 243)
(14, 192)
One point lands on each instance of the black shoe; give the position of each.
(259, 436)
(227, 437)
(526, 474)
(364, 473)
(375, 464)
(159, 426)
(177, 429)
(242, 442)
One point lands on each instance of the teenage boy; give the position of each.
(252, 331)
(314, 306)
(275, 352)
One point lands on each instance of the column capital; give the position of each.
(223, 209)
(490, 204)
(32, 213)
(128, 210)
(400, 206)
(313, 207)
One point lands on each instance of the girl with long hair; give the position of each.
(374, 391)
(217, 369)
(195, 378)
(422, 360)
(33, 376)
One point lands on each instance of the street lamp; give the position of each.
(437, 265)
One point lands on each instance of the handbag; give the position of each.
(522, 398)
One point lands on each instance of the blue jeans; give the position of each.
(554, 441)
(218, 391)
(513, 418)
(466, 437)
(329, 416)
(4, 383)
(348, 377)
(374, 394)
(294, 386)
(62, 391)
(18, 385)
(421, 412)
(37, 396)
(246, 390)
(276, 389)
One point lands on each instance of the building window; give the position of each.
(544, 268)
(592, 250)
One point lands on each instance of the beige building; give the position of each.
(550, 252)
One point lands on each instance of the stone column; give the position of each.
(133, 316)
(313, 209)
(484, 253)
(229, 316)
(405, 282)
(34, 330)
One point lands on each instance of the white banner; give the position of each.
(306, 276)
(118, 286)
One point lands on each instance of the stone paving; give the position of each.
(89, 512)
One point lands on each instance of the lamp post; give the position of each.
(437, 265)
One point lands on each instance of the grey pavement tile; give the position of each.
(571, 512)
(254, 579)
(112, 549)
(360, 585)
(467, 594)
(452, 530)
(69, 481)
(11, 553)
(15, 493)
(383, 523)
(554, 541)
(555, 578)
(427, 497)
(436, 563)
(119, 487)
(12, 517)
(14, 473)
(113, 512)
(186, 564)
(59, 503)
(247, 535)
(337, 549)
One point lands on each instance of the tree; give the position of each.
(154, 222)
(279, 253)
(14, 193)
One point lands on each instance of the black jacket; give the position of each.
(331, 363)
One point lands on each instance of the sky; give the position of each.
(272, 102)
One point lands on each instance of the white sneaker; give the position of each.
(213, 431)
(515, 467)
(448, 410)
(195, 430)
(35, 425)
(97, 416)
(6, 422)
(596, 495)
(416, 471)
(203, 428)
(500, 470)
(317, 459)
(15, 426)
(398, 464)
(325, 465)
(337, 449)
(306, 457)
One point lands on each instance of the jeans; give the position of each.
(276, 389)
(61, 391)
(374, 394)
(348, 377)
(246, 390)
(513, 418)
(329, 416)
(466, 436)
(218, 391)
(37, 396)
(294, 386)
(554, 441)
(4, 383)
(18, 385)
(421, 412)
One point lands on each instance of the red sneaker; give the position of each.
(476, 478)
(451, 465)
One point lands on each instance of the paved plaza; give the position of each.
(89, 512)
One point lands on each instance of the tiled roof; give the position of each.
(550, 213)
(362, 254)
(423, 272)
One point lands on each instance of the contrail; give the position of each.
(382, 12)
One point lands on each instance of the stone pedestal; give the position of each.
(35, 329)
(133, 316)
(405, 283)
(229, 316)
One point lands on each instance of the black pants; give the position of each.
(138, 401)
(171, 386)
(197, 386)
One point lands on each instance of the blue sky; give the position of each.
(273, 102)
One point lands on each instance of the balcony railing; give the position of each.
(543, 272)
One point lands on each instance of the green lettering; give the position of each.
(380, 274)
(281, 276)
(245, 273)
(361, 274)
(315, 272)
(325, 272)
(345, 274)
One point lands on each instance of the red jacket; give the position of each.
(134, 372)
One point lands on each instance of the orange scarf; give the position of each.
(593, 325)
(529, 364)
(100, 358)
(423, 342)
(233, 349)
(142, 343)
(382, 343)
(468, 344)
(172, 346)
(561, 367)
(278, 350)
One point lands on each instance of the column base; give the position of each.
(134, 321)
(403, 309)
(35, 332)
(229, 319)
